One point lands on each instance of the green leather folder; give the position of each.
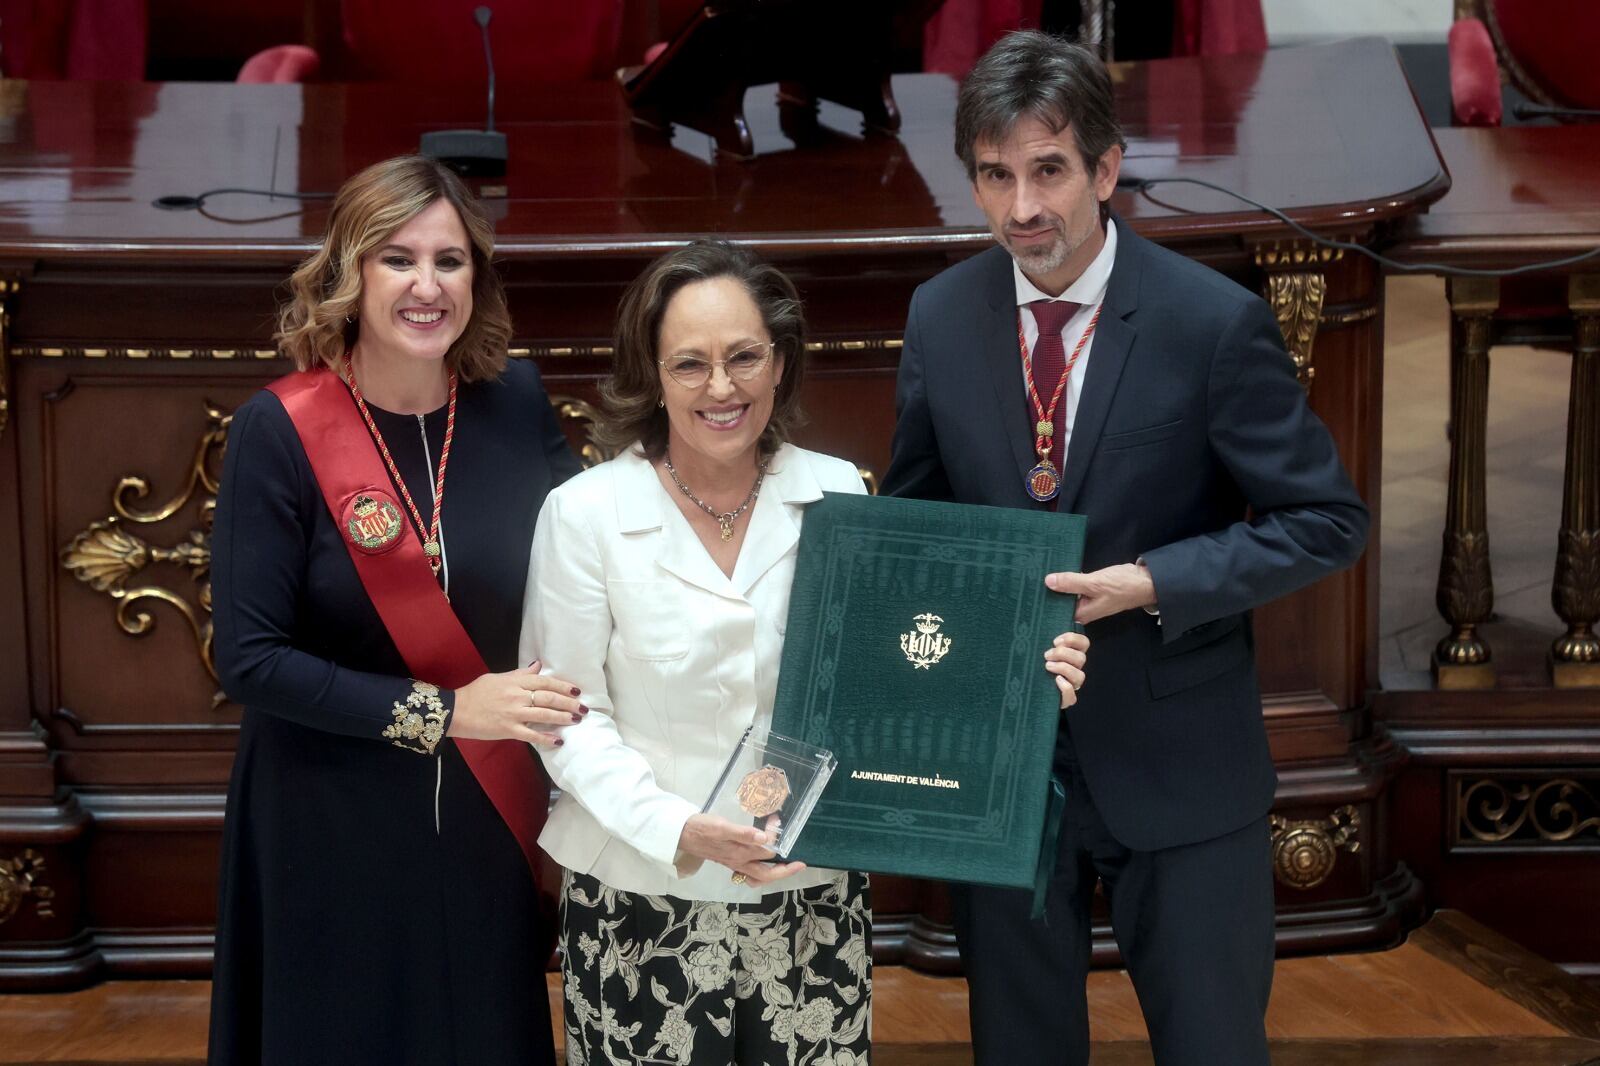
(914, 651)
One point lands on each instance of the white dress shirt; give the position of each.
(1089, 291)
(674, 658)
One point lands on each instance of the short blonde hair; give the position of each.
(318, 324)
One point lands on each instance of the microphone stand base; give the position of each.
(470, 153)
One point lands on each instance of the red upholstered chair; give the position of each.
(437, 41)
(279, 64)
(1544, 48)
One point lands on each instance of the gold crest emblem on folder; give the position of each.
(926, 645)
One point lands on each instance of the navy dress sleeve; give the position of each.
(266, 514)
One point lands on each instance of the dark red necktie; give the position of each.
(1049, 360)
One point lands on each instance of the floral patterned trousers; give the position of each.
(786, 981)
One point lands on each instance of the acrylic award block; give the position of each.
(772, 781)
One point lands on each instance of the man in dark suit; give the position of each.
(1078, 367)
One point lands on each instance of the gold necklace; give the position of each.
(724, 520)
(430, 546)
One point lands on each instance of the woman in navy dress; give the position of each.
(374, 907)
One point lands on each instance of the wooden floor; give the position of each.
(1454, 994)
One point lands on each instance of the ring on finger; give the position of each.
(740, 877)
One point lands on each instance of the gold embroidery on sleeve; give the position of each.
(410, 729)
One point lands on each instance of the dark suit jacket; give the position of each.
(1190, 414)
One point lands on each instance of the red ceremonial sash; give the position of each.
(397, 577)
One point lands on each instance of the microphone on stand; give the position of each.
(472, 153)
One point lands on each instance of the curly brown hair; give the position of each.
(314, 324)
(632, 394)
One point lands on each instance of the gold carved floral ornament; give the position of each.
(572, 409)
(1527, 811)
(21, 879)
(1304, 852)
(1296, 289)
(107, 556)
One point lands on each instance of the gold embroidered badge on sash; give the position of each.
(372, 521)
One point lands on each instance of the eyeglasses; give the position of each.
(692, 372)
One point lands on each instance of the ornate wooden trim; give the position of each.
(106, 555)
(575, 350)
(1304, 853)
(21, 881)
(1297, 287)
(8, 288)
(1575, 592)
(1465, 595)
(122, 351)
(1348, 316)
(1519, 811)
(572, 409)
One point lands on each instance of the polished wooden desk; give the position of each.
(1503, 766)
(1518, 194)
(133, 331)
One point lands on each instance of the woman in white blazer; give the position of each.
(659, 587)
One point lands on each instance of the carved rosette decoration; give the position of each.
(107, 556)
(1304, 852)
(1561, 811)
(21, 881)
(1296, 289)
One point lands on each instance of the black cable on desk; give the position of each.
(1143, 185)
(198, 203)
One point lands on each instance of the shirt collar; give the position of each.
(1089, 289)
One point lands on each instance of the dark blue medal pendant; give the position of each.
(1044, 482)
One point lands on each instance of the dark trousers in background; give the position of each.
(1195, 925)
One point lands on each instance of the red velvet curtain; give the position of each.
(1218, 27)
(962, 30)
(98, 40)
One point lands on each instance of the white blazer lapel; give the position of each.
(683, 556)
(774, 522)
(643, 507)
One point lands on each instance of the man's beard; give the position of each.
(1039, 260)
